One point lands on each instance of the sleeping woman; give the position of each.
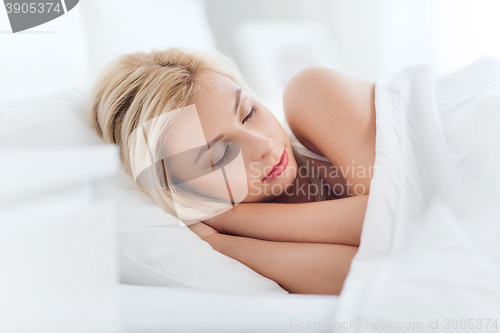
(306, 183)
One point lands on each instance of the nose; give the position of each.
(259, 146)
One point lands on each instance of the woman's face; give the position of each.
(230, 120)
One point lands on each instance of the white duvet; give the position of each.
(430, 246)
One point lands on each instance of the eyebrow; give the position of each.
(218, 137)
(238, 97)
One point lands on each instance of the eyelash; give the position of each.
(251, 114)
(228, 148)
(224, 158)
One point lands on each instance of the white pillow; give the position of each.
(154, 249)
(115, 27)
(45, 58)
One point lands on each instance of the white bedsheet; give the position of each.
(430, 246)
(175, 310)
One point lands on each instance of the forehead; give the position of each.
(217, 93)
(210, 115)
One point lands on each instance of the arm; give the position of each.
(337, 221)
(304, 268)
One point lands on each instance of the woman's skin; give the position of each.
(306, 247)
(230, 114)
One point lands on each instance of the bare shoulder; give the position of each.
(320, 93)
(333, 114)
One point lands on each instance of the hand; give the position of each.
(202, 230)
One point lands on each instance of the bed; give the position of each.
(145, 309)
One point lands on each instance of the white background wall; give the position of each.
(375, 38)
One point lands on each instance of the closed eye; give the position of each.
(223, 159)
(250, 114)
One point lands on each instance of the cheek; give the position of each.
(268, 121)
(229, 182)
(212, 185)
(236, 176)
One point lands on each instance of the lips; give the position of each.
(278, 168)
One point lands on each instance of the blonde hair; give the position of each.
(137, 87)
